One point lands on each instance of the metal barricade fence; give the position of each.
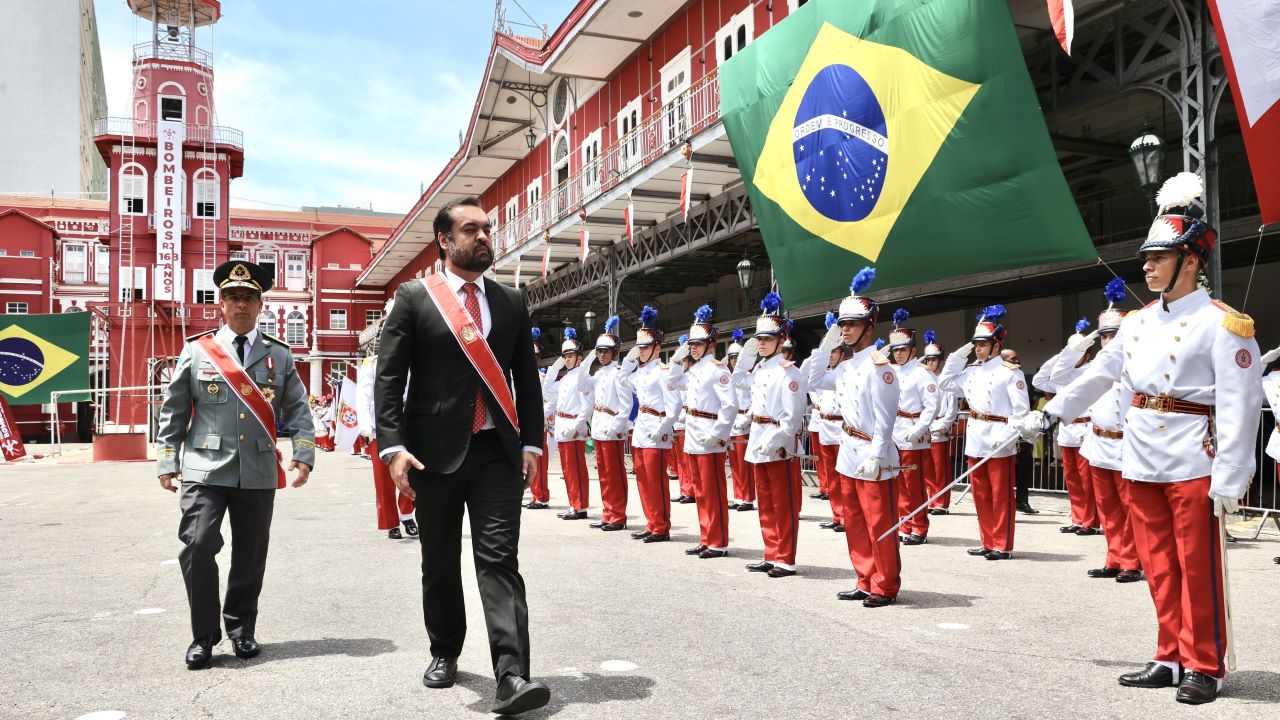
(115, 410)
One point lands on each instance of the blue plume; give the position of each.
(683, 339)
(771, 302)
(791, 325)
(611, 325)
(929, 337)
(703, 314)
(1116, 291)
(1081, 325)
(879, 343)
(737, 335)
(537, 333)
(900, 316)
(862, 280)
(648, 315)
(993, 313)
(570, 334)
(830, 319)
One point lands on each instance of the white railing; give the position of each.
(661, 133)
(160, 50)
(123, 127)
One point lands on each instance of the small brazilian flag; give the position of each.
(899, 133)
(43, 353)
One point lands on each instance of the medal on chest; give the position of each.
(271, 374)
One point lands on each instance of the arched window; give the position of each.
(295, 328)
(204, 194)
(72, 308)
(133, 189)
(267, 322)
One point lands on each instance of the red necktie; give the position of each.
(473, 309)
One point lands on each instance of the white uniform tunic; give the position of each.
(1271, 386)
(777, 395)
(1185, 351)
(742, 394)
(656, 389)
(948, 411)
(571, 396)
(917, 395)
(991, 388)
(866, 389)
(1051, 378)
(612, 400)
(827, 410)
(1107, 415)
(709, 390)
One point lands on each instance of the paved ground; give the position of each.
(93, 618)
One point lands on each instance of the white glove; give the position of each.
(870, 468)
(1271, 356)
(582, 429)
(633, 356)
(655, 436)
(556, 367)
(964, 350)
(750, 352)
(1224, 505)
(1033, 424)
(1085, 342)
(681, 353)
(831, 340)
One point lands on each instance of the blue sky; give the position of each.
(353, 103)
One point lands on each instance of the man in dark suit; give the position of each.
(451, 441)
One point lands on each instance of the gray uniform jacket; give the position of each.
(209, 435)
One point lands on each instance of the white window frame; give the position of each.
(337, 319)
(239, 255)
(295, 321)
(739, 31)
(16, 308)
(69, 249)
(273, 257)
(591, 160)
(202, 282)
(101, 264)
(295, 280)
(134, 189)
(371, 317)
(206, 190)
(268, 323)
(533, 198)
(139, 284)
(676, 78)
(180, 96)
(628, 121)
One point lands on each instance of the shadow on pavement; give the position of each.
(351, 647)
(1255, 685)
(1045, 557)
(588, 689)
(925, 600)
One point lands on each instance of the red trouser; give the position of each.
(713, 507)
(1178, 542)
(613, 481)
(538, 486)
(654, 488)
(779, 487)
(684, 470)
(573, 463)
(1079, 482)
(869, 510)
(993, 498)
(1112, 492)
(939, 472)
(827, 464)
(384, 493)
(744, 486)
(815, 449)
(911, 492)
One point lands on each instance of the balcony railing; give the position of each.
(160, 50)
(201, 134)
(661, 133)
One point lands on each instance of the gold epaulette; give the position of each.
(1235, 321)
(1011, 366)
(879, 358)
(273, 338)
(786, 364)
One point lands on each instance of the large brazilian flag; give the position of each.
(899, 133)
(43, 353)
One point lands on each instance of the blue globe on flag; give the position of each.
(20, 361)
(840, 144)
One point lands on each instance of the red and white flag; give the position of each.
(1249, 35)
(10, 439)
(585, 235)
(629, 215)
(347, 417)
(546, 258)
(686, 192)
(1063, 17)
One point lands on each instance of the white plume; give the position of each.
(1180, 190)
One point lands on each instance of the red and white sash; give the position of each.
(248, 392)
(473, 343)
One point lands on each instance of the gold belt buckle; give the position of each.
(1160, 403)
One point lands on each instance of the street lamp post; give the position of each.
(589, 321)
(1147, 153)
(745, 271)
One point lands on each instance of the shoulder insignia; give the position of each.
(1011, 366)
(1235, 321)
(663, 366)
(879, 358)
(273, 338)
(199, 335)
(787, 364)
(716, 362)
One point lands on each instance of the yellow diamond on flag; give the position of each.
(859, 127)
(28, 360)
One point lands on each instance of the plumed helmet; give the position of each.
(1082, 326)
(901, 337)
(702, 330)
(1109, 319)
(609, 339)
(1180, 224)
(571, 343)
(648, 333)
(771, 322)
(989, 327)
(932, 348)
(735, 347)
(857, 306)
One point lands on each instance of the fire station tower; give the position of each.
(171, 166)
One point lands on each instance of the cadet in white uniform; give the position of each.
(569, 397)
(917, 407)
(612, 421)
(1075, 468)
(659, 398)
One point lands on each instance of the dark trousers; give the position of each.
(491, 489)
(201, 533)
(1023, 473)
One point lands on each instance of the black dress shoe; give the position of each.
(410, 527)
(516, 695)
(245, 647)
(1088, 531)
(200, 653)
(695, 550)
(828, 524)
(777, 572)
(857, 594)
(1069, 528)
(687, 499)
(978, 552)
(657, 538)
(838, 527)
(1026, 509)
(641, 534)
(744, 507)
(762, 566)
(679, 498)
(535, 505)
(1128, 576)
(613, 527)
(999, 555)
(939, 511)
(394, 534)
(1154, 675)
(574, 515)
(598, 524)
(733, 504)
(914, 539)
(710, 554)
(1103, 572)
(1197, 688)
(441, 673)
(818, 495)
(1231, 538)
(874, 601)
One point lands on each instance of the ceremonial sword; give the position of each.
(938, 494)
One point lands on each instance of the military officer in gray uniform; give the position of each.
(211, 444)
